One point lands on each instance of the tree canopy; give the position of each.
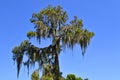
(51, 23)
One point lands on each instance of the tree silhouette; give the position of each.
(51, 23)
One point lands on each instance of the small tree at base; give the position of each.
(35, 75)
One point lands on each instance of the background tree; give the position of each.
(73, 77)
(86, 79)
(51, 23)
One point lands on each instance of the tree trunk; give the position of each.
(56, 68)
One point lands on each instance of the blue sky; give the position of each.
(102, 59)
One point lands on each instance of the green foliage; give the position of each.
(47, 70)
(35, 75)
(51, 23)
(46, 78)
(31, 34)
(86, 79)
(72, 77)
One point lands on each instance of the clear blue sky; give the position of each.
(102, 59)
